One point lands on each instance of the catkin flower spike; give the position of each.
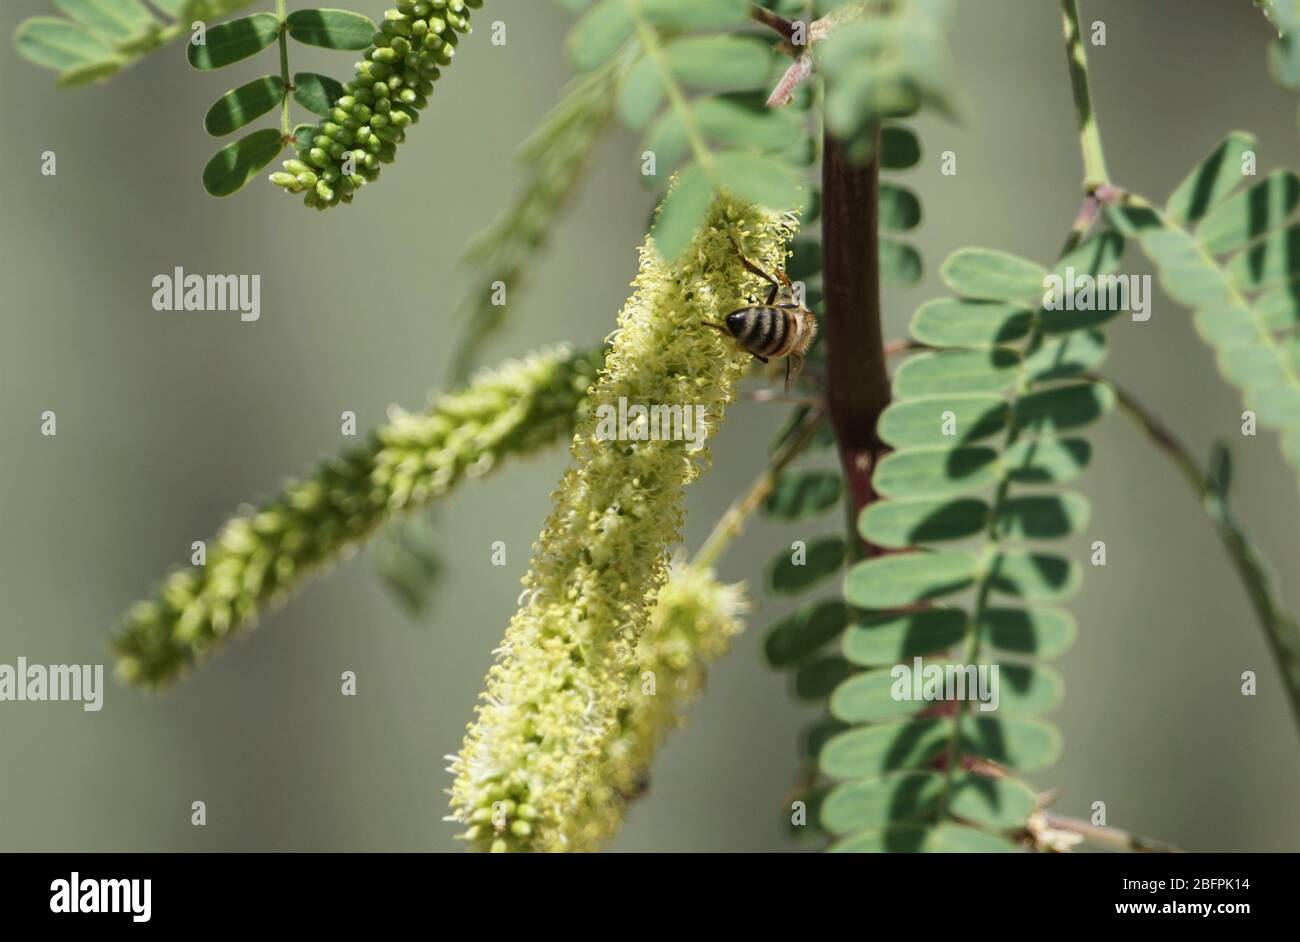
(533, 771)
(392, 86)
(261, 556)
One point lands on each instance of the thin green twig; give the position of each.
(1094, 159)
(1280, 628)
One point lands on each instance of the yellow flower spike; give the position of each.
(549, 720)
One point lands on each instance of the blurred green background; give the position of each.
(168, 421)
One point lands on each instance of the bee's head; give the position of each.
(736, 322)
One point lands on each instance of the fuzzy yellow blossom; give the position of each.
(533, 772)
(694, 619)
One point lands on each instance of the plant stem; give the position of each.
(857, 384)
(1280, 629)
(732, 523)
(1109, 837)
(284, 70)
(772, 20)
(1094, 160)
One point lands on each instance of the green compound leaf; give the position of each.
(804, 631)
(805, 566)
(230, 42)
(331, 29)
(802, 494)
(952, 322)
(695, 14)
(900, 264)
(682, 212)
(599, 33)
(113, 19)
(720, 63)
(317, 93)
(241, 105)
(1041, 516)
(939, 839)
(993, 276)
(238, 162)
(886, 582)
(59, 44)
(956, 372)
(875, 696)
(1216, 177)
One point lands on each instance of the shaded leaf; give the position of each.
(115, 19)
(803, 631)
(241, 105)
(720, 63)
(1248, 215)
(923, 421)
(892, 638)
(233, 41)
(802, 494)
(1212, 180)
(317, 93)
(821, 558)
(900, 264)
(238, 162)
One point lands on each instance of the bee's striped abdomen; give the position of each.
(760, 330)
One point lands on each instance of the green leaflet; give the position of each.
(241, 105)
(1245, 306)
(998, 407)
(907, 839)
(725, 134)
(895, 638)
(885, 65)
(98, 38)
(912, 796)
(230, 42)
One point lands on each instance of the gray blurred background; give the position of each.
(168, 421)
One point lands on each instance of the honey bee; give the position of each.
(779, 327)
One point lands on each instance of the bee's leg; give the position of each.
(793, 367)
(750, 266)
(718, 327)
(760, 359)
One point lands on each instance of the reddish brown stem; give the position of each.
(857, 385)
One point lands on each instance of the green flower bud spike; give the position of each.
(265, 553)
(534, 772)
(392, 85)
